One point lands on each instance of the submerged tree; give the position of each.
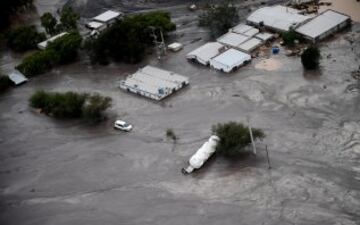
(234, 137)
(310, 58)
(219, 19)
(49, 22)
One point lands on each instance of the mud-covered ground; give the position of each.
(69, 172)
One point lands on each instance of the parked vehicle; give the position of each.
(122, 125)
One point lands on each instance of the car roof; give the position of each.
(120, 122)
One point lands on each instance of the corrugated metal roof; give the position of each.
(277, 17)
(206, 52)
(231, 57)
(107, 16)
(322, 23)
(264, 36)
(250, 44)
(232, 39)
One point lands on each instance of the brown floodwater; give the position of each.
(349, 7)
(270, 64)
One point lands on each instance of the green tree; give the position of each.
(37, 63)
(5, 83)
(24, 38)
(219, 19)
(310, 58)
(127, 39)
(94, 106)
(49, 22)
(289, 37)
(9, 8)
(68, 19)
(234, 137)
(66, 48)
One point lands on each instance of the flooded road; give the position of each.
(57, 172)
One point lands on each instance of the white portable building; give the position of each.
(93, 25)
(230, 60)
(44, 44)
(202, 154)
(206, 52)
(154, 83)
(250, 45)
(264, 36)
(232, 39)
(17, 77)
(323, 25)
(278, 18)
(108, 17)
(244, 30)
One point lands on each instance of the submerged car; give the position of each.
(122, 125)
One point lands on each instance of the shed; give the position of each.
(204, 53)
(17, 77)
(108, 17)
(44, 44)
(249, 45)
(230, 60)
(264, 36)
(244, 30)
(154, 83)
(278, 18)
(323, 25)
(232, 39)
(93, 25)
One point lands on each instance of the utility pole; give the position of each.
(252, 138)
(267, 155)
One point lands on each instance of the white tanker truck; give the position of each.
(204, 153)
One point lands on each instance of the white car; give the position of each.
(122, 125)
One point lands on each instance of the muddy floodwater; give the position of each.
(56, 172)
(349, 7)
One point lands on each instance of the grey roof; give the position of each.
(17, 77)
(322, 23)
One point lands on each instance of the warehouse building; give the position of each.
(323, 25)
(277, 18)
(204, 53)
(230, 60)
(154, 83)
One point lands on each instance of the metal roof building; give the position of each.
(323, 25)
(44, 44)
(233, 39)
(108, 17)
(154, 83)
(229, 60)
(245, 30)
(279, 18)
(204, 53)
(264, 36)
(17, 77)
(250, 45)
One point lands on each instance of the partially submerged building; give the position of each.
(154, 83)
(44, 44)
(323, 25)
(230, 60)
(206, 52)
(233, 40)
(277, 18)
(17, 77)
(108, 17)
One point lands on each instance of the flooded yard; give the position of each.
(69, 172)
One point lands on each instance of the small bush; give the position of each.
(5, 83)
(70, 104)
(289, 37)
(310, 58)
(171, 134)
(234, 137)
(24, 38)
(94, 106)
